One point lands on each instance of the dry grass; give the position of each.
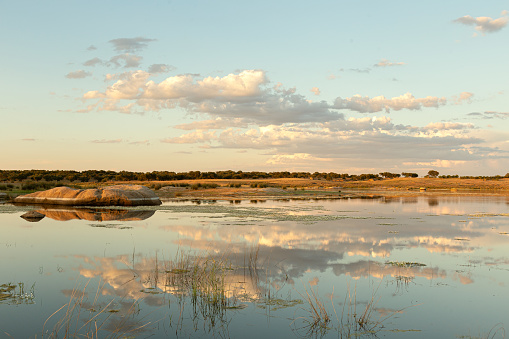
(81, 319)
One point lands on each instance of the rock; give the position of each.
(33, 216)
(120, 195)
(96, 214)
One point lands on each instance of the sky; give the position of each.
(330, 86)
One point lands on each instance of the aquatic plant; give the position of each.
(318, 318)
(93, 320)
(15, 294)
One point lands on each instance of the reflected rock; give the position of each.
(33, 216)
(96, 214)
(120, 195)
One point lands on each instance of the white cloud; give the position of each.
(80, 74)
(130, 44)
(315, 90)
(387, 63)
(242, 85)
(127, 87)
(244, 95)
(381, 103)
(485, 24)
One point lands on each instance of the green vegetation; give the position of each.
(16, 294)
(55, 177)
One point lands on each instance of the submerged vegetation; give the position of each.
(15, 294)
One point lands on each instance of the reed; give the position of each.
(81, 318)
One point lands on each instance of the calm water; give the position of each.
(423, 267)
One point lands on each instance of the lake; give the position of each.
(410, 267)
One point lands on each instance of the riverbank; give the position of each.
(298, 188)
(323, 189)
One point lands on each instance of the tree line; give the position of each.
(105, 176)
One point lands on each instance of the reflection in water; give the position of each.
(95, 214)
(215, 269)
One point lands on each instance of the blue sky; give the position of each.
(342, 86)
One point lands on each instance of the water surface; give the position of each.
(422, 266)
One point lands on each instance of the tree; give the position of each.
(433, 174)
(410, 175)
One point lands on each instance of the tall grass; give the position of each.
(79, 318)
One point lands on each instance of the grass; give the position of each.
(318, 319)
(81, 319)
(496, 331)
(15, 294)
(404, 264)
(352, 322)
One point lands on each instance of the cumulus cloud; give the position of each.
(247, 96)
(160, 68)
(485, 24)
(244, 95)
(126, 60)
(315, 90)
(127, 87)
(230, 87)
(130, 45)
(93, 62)
(387, 63)
(380, 103)
(80, 74)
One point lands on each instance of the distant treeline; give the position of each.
(105, 176)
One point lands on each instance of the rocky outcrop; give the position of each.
(120, 195)
(96, 214)
(33, 216)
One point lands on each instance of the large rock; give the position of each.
(120, 195)
(33, 216)
(95, 214)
